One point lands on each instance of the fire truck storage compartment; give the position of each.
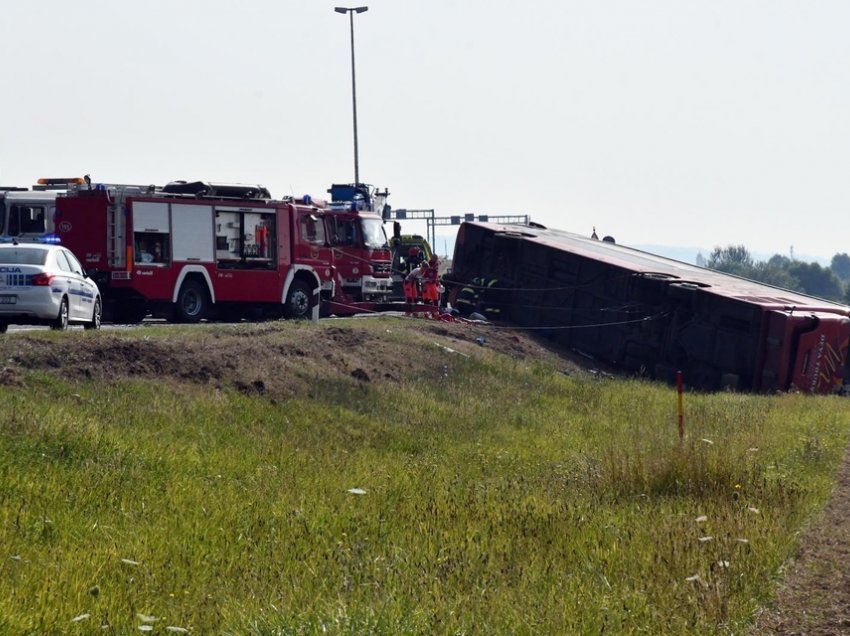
(189, 243)
(151, 228)
(245, 238)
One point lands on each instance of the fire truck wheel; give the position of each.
(96, 316)
(60, 323)
(298, 300)
(191, 302)
(4, 327)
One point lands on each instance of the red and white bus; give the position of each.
(652, 315)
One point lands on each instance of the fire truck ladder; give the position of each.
(115, 231)
(116, 221)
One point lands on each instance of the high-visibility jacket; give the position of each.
(492, 297)
(411, 292)
(430, 291)
(412, 283)
(467, 298)
(430, 284)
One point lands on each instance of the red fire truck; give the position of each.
(193, 250)
(362, 255)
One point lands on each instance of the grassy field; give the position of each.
(497, 497)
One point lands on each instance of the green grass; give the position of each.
(502, 498)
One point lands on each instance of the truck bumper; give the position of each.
(372, 286)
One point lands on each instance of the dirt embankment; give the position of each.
(275, 358)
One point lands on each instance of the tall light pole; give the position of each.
(351, 11)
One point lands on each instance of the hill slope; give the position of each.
(277, 358)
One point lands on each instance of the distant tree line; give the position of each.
(831, 282)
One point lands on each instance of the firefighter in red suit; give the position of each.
(430, 282)
(412, 282)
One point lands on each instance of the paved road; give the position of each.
(106, 326)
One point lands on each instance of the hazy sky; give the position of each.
(673, 122)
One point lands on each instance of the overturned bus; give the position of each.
(652, 315)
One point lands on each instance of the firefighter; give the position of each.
(412, 283)
(466, 301)
(414, 258)
(430, 282)
(495, 293)
(491, 298)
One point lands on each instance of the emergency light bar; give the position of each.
(60, 181)
(49, 239)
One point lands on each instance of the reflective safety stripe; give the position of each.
(466, 299)
(491, 309)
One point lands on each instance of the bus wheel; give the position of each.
(298, 300)
(192, 303)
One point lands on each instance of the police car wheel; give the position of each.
(96, 316)
(60, 323)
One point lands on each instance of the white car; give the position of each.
(45, 285)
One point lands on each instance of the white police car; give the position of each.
(45, 285)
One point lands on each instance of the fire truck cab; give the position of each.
(27, 214)
(189, 251)
(355, 230)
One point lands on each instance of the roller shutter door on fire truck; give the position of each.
(193, 233)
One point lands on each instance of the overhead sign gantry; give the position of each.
(432, 220)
